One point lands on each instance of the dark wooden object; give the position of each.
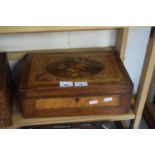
(149, 115)
(5, 93)
(109, 89)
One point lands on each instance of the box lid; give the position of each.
(74, 70)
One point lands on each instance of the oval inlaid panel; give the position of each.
(75, 67)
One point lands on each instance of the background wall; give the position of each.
(135, 52)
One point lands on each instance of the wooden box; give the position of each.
(75, 82)
(5, 82)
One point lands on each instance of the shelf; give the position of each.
(19, 121)
(29, 29)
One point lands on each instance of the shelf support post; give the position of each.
(121, 41)
(145, 81)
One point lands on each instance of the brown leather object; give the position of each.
(5, 93)
(107, 86)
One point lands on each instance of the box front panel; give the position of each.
(74, 106)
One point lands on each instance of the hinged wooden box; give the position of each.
(75, 82)
(5, 82)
